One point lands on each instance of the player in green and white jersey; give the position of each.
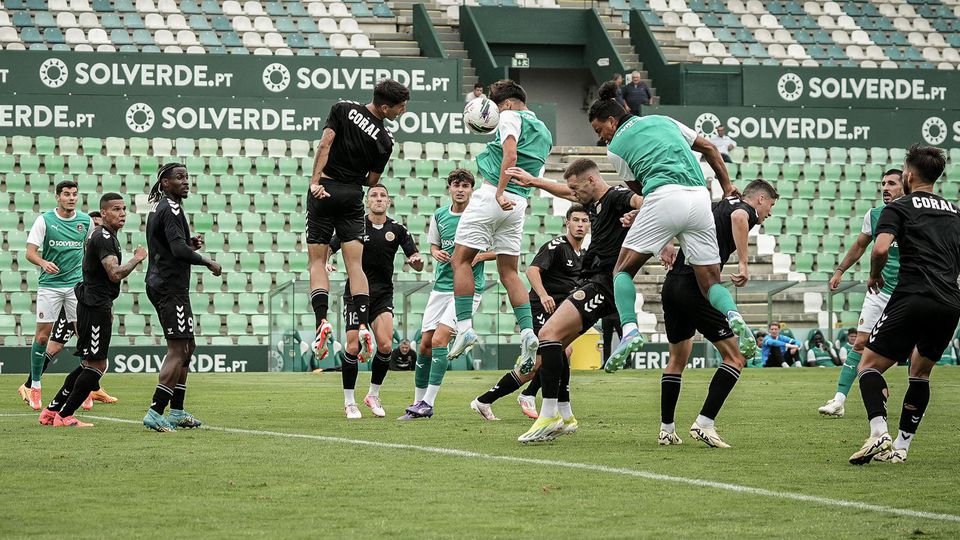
(439, 317)
(494, 218)
(891, 188)
(654, 156)
(55, 245)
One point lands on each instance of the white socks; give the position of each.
(629, 327)
(705, 422)
(669, 428)
(463, 326)
(34, 384)
(878, 426)
(348, 397)
(374, 390)
(430, 396)
(903, 441)
(549, 408)
(418, 394)
(566, 411)
(841, 397)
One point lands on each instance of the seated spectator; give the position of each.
(723, 143)
(843, 349)
(757, 360)
(791, 355)
(403, 358)
(774, 347)
(819, 351)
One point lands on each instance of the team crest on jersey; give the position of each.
(79, 227)
(579, 295)
(390, 236)
(40, 315)
(599, 207)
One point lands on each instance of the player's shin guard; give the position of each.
(46, 363)
(721, 299)
(320, 299)
(38, 354)
(564, 395)
(669, 395)
(378, 371)
(421, 375)
(524, 316)
(179, 394)
(161, 397)
(721, 385)
(464, 308)
(64, 394)
(551, 369)
(362, 306)
(439, 365)
(914, 405)
(507, 385)
(848, 373)
(87, 381)
(625, 296)
(531, 389)
(873, 390)
(349, 370)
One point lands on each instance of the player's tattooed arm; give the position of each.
(715, 160)
(557, 189)
(320, 161)
(878, 259)
(740, 222)
(116, 272)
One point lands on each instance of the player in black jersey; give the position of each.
(923, 310)
(353, 153)
(172, 252)
(686, 311)
(102, 274)
(59, 337)
(382, 238)
(608, 208)
(553, 274)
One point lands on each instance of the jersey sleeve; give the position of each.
(689, 135)
(622, 199)
(867, 227)
(621, 166)
(406, 241)
(334, 117)
(890, 221)
(37, 232)
(102, 246)
(173, 232)
(433, 233)
(544, 258)
(509, 125)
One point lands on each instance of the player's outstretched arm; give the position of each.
(557, 189)
(878, 259)
(715, 160)
(740, 222)
(853, 255)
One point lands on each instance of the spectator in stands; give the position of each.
(847, 346)
(636, 94)
(791, 356)
(618, 80)
(477, 93)
(403, 357)
(723, 142)
(774, 347)
(819, 351)
(757, 360)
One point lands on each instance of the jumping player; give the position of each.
(923, 311)
(172, 251)
(439, 317)
(686, 311)
(553, 274)
(102, 274)
(353, 153)
(654, 156)
(55, 245)
(494, 219)
(382, 238)
(891, 188)
(592, 300)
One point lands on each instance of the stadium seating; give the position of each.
(854, 33)
(279, 27)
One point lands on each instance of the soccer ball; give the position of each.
(481, 115)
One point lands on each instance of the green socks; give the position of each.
(464, 307)
(524, 316)
(848, 373)
(721, 299)
(625, 296)
(37, 355)
(438, 368)
(421, 373)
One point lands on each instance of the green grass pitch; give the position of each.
(117, 480)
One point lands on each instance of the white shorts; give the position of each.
(873, 306)
(680, 212)
(441, 310)
(51, 300)
(486, 226)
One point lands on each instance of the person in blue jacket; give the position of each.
(774, 347)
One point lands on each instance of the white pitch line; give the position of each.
(826, 501)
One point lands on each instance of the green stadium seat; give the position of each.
(68, 145)
(261, 282)
(456, 151)
(821, 208)
(265, 165)
(401, 168)
(287, 242)
(796, 155)
(950, 191)
(849, 190)
(29, 164)
(15, 181)
(858, 156)
(8, 163)
(220, 165)
(838, 154)
(749, 171)
(897, 155)
(287, 166)
(414, 187)
(273, 262)
(202, 222)
(236, 282)
(756, 154)
(812, 171)
(827, 261)
(879, 155)
(787, 243)
(827, 188)
(818, 155)
(770, 171)
(831, 243)
(733, 170)
(248, 303)
(444, 167)
(238, 241)
(832, 171)
(806, 189)
(45, 145)
(434, 150)
(275, 222)
(794, 225)
(91, 146)
(53, 164)
(236, 324)
(786, 189)
(809, 243)
(21, 144)
(250, 221)
(773, 225)
(227, 222)
(776, 154)
(22, 302)
(837, 225)
(216, 202)
(403, 204)
(803, 262)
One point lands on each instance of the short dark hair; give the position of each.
(108, 198)
(378, 185)
(579, 167)
(927, 161)
(95, 214)
(888, 172)
(477, 85)
(774, 323)
(390, 93)
(761, 185)
(606, 104)
(66, 184)
(461, 175)
(575, 208)
(851, 330)
(505, 89)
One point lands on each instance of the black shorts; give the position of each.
(342, 212)
(686, 311)
(174, 312)
(62, 329)
(540, 316)
(379, 304)
(594, 299)
(911, 320)
(94, 330)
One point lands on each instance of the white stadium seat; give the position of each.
(172, 49)
(339, 41)
(350, 26)
(232, 8)
(186, 38)
(253, 8)
(65, 19)
(684, 34)
(695, 48)
(327, 25)
(273, 40)
(146, 6)
(154, 21)
(74, 35)
(88, 20)
(164, 38)
(106, 47)
(263, 24)
(252, 39)
(168, 7)
(360, 42)
(98, 36)
(242, 24)
(338, 9)
(317, 9)
(177, 22)
(349, 53)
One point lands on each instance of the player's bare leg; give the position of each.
(317, 255)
